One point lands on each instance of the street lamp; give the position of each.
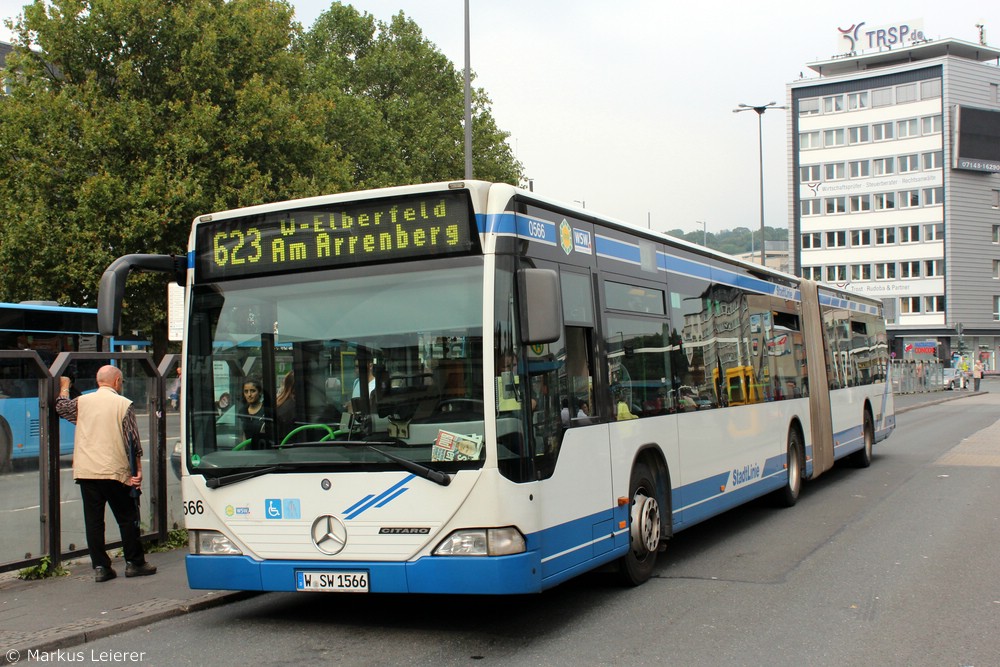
(760, 147)
(704, 227)
(468, 98)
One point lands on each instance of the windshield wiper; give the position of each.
(216, 482)
(417, 469)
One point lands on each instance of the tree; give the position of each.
(127, 118)
(132, 117)
(399, 103)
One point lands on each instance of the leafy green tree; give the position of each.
(399, 102)
(132, 117)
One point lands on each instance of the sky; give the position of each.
(626, 107)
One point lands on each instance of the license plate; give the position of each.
(344, 581)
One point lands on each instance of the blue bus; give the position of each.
(48, 329)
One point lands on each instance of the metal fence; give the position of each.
(41, 512)
(914, 377)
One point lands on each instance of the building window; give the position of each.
(906, 93)
(809, 173)
(861, 272)
(909, 269)
(859, 168)
(835, 171)
(909, 199)
(909, 304)
(836, 273)
(882, 97)
(833, 137)
(858, 135)
(932, 160)
(908, 163)
(996, 308)
(933, 196)
(996, 199)
(996, 234)
(861, 204)
(809, 140)
(861, 237)
(935, 232)
(836, 205)
(857, 100)
(812, 240)
(996, 269)
(836, 239)
(931, 124)
(909, 234)
(933, 267)
(833, 104)
(812, 273)
(907, 128)
(882, 131)
(883, 165)
(885, 236)
(883, 201)
(930, 89)
(809, 107)
(934, 304)
(810, 207)
(885, 271)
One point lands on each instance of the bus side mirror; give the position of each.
(111, 291)
(541, 306)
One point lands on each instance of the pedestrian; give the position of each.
(107, 466)
(977, 374)
(175, 390)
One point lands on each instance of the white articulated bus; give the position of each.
(489, 391)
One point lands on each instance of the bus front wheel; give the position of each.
(636, 566)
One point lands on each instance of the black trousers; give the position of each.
(96, 494)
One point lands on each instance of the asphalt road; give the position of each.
(892, 565)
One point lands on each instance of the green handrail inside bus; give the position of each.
(242, 445)
(305, 427)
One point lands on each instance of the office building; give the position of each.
(895, 185)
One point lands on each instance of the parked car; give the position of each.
(952, 378)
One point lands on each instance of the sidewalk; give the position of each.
(43, 616)
(50, 614)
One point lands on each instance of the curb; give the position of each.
(91, 629)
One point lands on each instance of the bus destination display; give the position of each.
(371, 231)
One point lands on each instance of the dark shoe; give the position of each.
(102, 574)
(140, 570)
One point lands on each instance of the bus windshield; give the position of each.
(330, 370)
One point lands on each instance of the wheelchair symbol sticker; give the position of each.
(272, 508)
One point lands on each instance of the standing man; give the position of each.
(106, 437)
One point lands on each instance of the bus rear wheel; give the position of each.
(789, 495)
(6, 448)
(636, 566)
(863, 457)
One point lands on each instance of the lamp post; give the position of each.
(468, 98)
(704, 228)
(760, 109)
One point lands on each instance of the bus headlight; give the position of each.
(482, 542)
(211, 543)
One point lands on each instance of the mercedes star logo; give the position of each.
(329, 534)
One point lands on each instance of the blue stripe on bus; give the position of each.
(379, 500)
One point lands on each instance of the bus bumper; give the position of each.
(476, 575)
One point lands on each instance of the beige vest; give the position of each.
(99, 446)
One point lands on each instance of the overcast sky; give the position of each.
(627, 104)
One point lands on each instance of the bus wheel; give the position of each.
(793, 487)
(863, 457)
(6, 448)
(636, 566)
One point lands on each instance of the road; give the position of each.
(20, 513)
(892, 565)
